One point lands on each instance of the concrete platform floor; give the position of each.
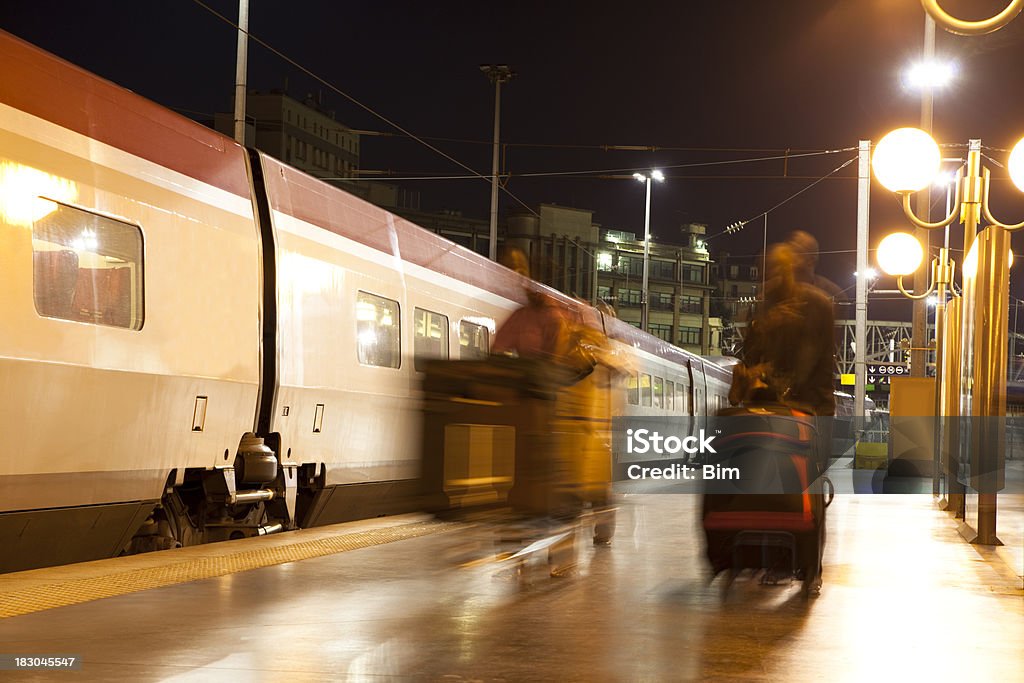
(905, 598)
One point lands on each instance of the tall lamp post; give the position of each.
(646, 178)
(973, 372)
(498, 74)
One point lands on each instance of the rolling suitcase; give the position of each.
(773, 516)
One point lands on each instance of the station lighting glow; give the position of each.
(26, 193)
(1015, 164)
(970, 267)
(604, 260)
(945, 179)
(86, 241)
(900, 254)
(931, 74)
(906, 160)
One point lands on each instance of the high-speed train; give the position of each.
(203, 343)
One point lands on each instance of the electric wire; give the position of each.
(356, 102)
(735, 227)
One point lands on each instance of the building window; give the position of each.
(630, 265)
(690, 304)
(734, 272)
(604, 293)
(630, 297)
(689, 335)
(754, 273)
(474, 341)
(662, 300)
(661, 331)
(430, 337)
(87, 268)
(662, 269)
(693, 273)
(378, 331)
(605, 260)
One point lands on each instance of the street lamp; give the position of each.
(646, 178)
(905, 162)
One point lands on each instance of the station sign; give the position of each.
(882, 373)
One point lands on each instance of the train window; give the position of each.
(378, 330)
(670, 395)
(659, 392)
(645, 389)
(632, 391)
(431, 336)
(681, 395)
(87, 268)
(474, 341)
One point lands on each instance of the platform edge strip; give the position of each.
(76, 591)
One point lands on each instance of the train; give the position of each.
(203, 343)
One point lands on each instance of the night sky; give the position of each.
(703, 81)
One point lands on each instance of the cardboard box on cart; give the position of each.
(490, 438)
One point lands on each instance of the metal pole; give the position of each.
(940, 321)
(764, 256)
(240, 68)
(644, 307)
(1013, 340)
(989, 379)
(492, 249)
(970, 215)
(918, 356)
(940, 486)
(497, 74)
(861, 309)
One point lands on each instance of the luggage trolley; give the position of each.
(493, 457)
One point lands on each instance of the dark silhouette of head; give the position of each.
(514, 259)
(805, 247)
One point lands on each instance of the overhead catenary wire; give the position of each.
(356, 102)
(603, 173)
(735, 227)
(604, 147)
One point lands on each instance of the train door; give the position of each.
(684, 400)
(700, 394)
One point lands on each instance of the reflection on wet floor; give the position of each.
(904, 597)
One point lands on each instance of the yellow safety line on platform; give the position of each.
(75, 591)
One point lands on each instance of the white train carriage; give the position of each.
(203, 343)
(131, 307)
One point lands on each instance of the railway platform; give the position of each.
(393, 599)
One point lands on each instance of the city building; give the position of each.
(570, 252)
(302, 134)
(738, 283)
